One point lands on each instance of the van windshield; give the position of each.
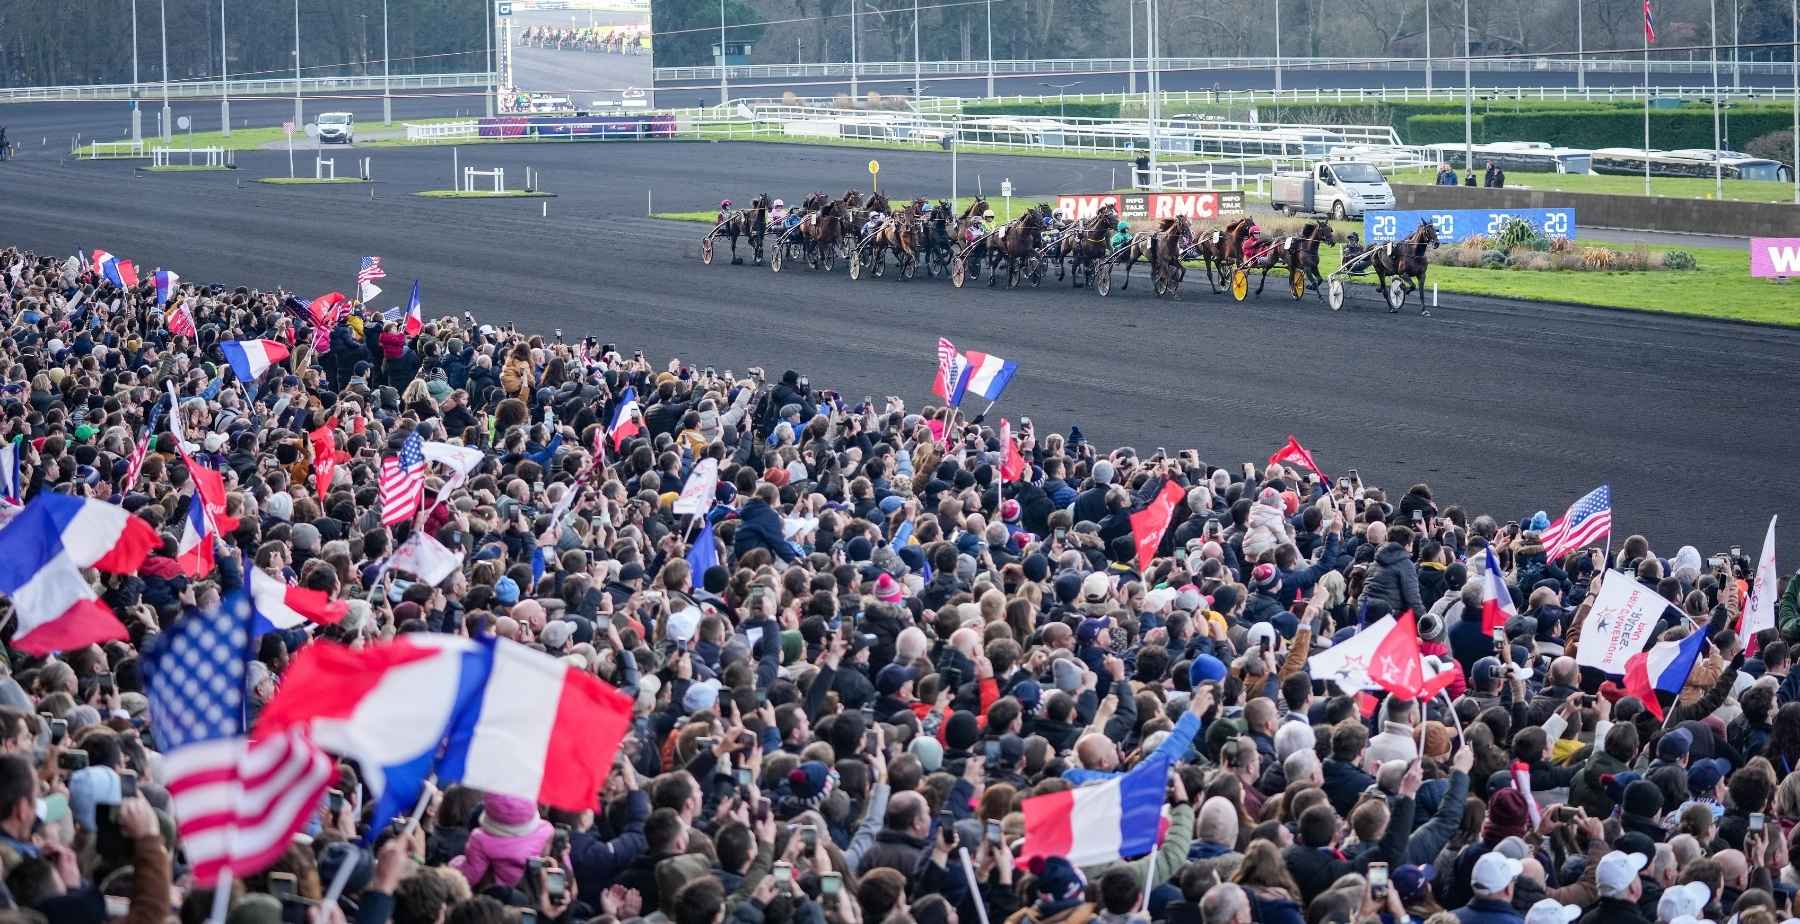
(334, 119)
(1356, 173)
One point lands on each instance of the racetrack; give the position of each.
(1504, 407)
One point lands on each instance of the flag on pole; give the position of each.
(1294, 452)
(403, 482)
(1586, 521)
(237, 802)
(985, 375)
(366, 274)
(624, 419)
(413, 314)
(135, 464)
(1664, 668)
(194, 552)
(705, 552)
(1398, 666)
(325, 457)
(424, 558)
(1149, 524)
(181, 321)
(47, 544)
(251, 358)
(1649, 25)
(944, 382)
(166, 281)
(1618, 625)
(1100, 822)
(277, 607)
(1760, 613)
(1496, 601)
(1012, 461)
(702, 487)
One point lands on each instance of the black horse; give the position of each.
(1406, 261)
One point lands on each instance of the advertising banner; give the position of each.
(1772, 257)
(1201, 206)
(1455, 225)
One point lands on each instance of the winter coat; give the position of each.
(1395, 580)
(1490, 911)
(1267, 529)
(760, 527)
(515, 379)
(894, 850)
(1344, 783)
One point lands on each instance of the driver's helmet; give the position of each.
(988, 215)
(724, 203)
(779, 204)
(1124, 226)
(876, 213)
(1255, 229)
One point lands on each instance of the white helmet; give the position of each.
(779, 204)
(989, 214)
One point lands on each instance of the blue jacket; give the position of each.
(597, 862)
(1344, 782)
(1488, 911)
(1174, 747)
(760, 527)
(1302, 579)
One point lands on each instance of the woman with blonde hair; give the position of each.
(1264, 877)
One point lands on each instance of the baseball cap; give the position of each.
(893, 677)
(1494, 872)
(1674, 745)
(701, 695)
(1688, 898)
(1616, 872)
(684, 624)
(1410, 880)
(1095, 587)
(1705, 773)
(1551, 911)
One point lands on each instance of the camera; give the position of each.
(128, 784)
(72, 760)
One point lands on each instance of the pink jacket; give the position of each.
(491, 859)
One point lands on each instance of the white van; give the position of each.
(337, 128)
(1339, 188)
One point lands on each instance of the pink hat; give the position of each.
(888, 590)
(1009, 510)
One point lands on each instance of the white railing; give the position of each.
(442, 131)
(1051, 66)
(115, 150)
(196, 157)
(187, 89)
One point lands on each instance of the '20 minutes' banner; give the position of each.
(1203, 206)
(1454, 225)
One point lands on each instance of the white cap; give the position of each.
(701, 695)
(1551, 911)
(1688, 898)
(1617, 871)
(1155, 601)
(683, 624)
(1494, 872)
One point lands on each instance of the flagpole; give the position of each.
(221, 905)
(974, 884)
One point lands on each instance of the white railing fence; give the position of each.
(187, 89)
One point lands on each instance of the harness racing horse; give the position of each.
(1166, 247)
(901, 236)
(1300, 254)
(971, 240)
(822, 233)
(750, 223)
(1085, 243)
(939, 233)
(1223, 249)
(1405, 261)
(1018, 243)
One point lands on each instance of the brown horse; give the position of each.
(1085, 243)
(1406, 261)
(902, 236)
(1222, 249)
(1017, 242)
(822, 233)
(969, 234)
(1166, 247)
(1301, 252)
(750, 223)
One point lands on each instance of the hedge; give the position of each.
(1047, 109)
(1616, 128)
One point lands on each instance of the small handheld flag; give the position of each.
(166, 281)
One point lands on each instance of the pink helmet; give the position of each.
(1255, 228)
(724, 203)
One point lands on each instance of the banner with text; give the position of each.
(1619, 624)
(1775, 257)
(1155, 206)
(1455, 225)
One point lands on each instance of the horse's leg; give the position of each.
(1424, 309)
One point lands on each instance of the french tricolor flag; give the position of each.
(1496, 601)
(1100, 822)
(251, 358)
(986, 375)
(1665, 668)
(47, 544)
(120, 272)
(489, 713)
(624, 420)
(166, 281)
(194, 553)
(279, 607)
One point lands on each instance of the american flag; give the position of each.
(237, 802)
(136, 462)
(403, 482)
(369, 271)
(1586, 521)
(1649, 25)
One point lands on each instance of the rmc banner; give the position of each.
(1454, 225)
(1775, 257)
(1155, 206)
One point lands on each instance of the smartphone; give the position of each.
(336, 801)
(128, 784)
(1737, 551)
(1378, 879)
(72, 760)
(1061, 533)
(992, 753)
(281, 885)
(556, 885)
(1756, 822)
(559, 842)
(744, 776)
(59, 729)
(872, 743)
(831, 883)
(783, 873)
(527, 916)
(809, 838)
(993, 831)
(705, 744)
(1355, 477)
(1499, 636)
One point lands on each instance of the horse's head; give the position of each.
(1427, 234)
(1321, 231)
(852, 198)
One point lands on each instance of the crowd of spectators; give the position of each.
(840, 720)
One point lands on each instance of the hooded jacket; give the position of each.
(1395, 580)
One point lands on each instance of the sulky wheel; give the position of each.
(1240, 284)
(706, 251)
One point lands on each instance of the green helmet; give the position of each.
(1124, 226)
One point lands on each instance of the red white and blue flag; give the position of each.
(279, 607)
(135, 463)
(166, 281)
(488, 713)
(47, 544)
(1496, 601)
(624, 423)
(366, 273)
(1100, 822)
(237, 802)
(251, 358)
(1664, 668)
(949, 370)
(1649, 25)
(985, 375)
(403, 482)
(413, 313)
(119, 272)
(194, 552)
(181, 321)
(1587, 520)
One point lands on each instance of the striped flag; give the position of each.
(136, 463)
(181, 321)
(366, 274)
(1586, 521)
(948, 372)
(1649, 25)
(237, 802)
(413, 313)
(403, 482)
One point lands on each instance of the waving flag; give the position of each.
(1586, 521)
(1012, 461)
(119, 272)
(1664, 668)
(278, 607)
(624, 419)
(194, 552)
(237, 803)
(366, 274)
(325, 457)
(1649, 25)
(986, 375)
(135, 464)
(181, 321)
(1100, 822)
(326, 312)
(403, 482)
(948, 372)
(1399, 668)
(1496, 601)
(12, 487)
(421, 704)
(413, 313)
(166, 281)
(1760, 613)
(705, 551)
(1149, 524)
(701, 489)
(424, 558)
(251, 358)
(47, 544)
(1620, 622)
(1294, 452)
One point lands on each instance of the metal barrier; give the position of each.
(498, 175)
(324, 168)
(187, 89)
(211, 156)
(442, 131)
(115, 150)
